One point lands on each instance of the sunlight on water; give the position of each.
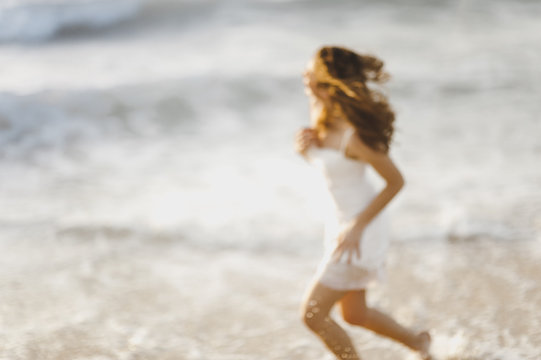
(155, 207)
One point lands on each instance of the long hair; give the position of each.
(345, 74)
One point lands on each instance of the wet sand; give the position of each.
(112, 296)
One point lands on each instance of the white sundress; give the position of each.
(349, 191)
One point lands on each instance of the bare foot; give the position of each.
(424, 345)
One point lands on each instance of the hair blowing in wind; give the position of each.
(346, 75)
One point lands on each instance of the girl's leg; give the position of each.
(315, 314)
(355, 312)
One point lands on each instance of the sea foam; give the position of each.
(33, 20)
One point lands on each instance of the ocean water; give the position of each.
(154, 206)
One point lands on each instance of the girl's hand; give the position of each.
(304, 138)
(349, 242)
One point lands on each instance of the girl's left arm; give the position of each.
(348, 238)
(386, 168)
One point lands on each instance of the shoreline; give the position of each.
(143, 299)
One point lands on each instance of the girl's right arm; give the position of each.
(304, 138)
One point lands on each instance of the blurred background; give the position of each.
(154, 207)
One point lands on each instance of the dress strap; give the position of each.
(345, 139)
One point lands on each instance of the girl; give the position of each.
(352, 126)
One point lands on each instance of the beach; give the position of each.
(154, 207)
(112, 296)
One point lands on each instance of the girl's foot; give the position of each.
(424, 345)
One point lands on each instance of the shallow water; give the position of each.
(116, 296)
(154, 207)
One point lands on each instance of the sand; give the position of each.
(111, 295)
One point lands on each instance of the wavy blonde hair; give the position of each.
(345, 74)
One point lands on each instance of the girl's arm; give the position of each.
(304, 138)
(382, 163)
(385, 167)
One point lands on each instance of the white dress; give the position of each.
(349, 191)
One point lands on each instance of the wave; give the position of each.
(33, 20)
(55, 120)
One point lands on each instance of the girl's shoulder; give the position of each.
(359, 149)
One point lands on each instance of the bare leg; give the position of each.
(315, 314)
(355, 312)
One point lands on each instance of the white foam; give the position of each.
(449, 346)
(38, 20)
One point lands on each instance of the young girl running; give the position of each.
(352, 126)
